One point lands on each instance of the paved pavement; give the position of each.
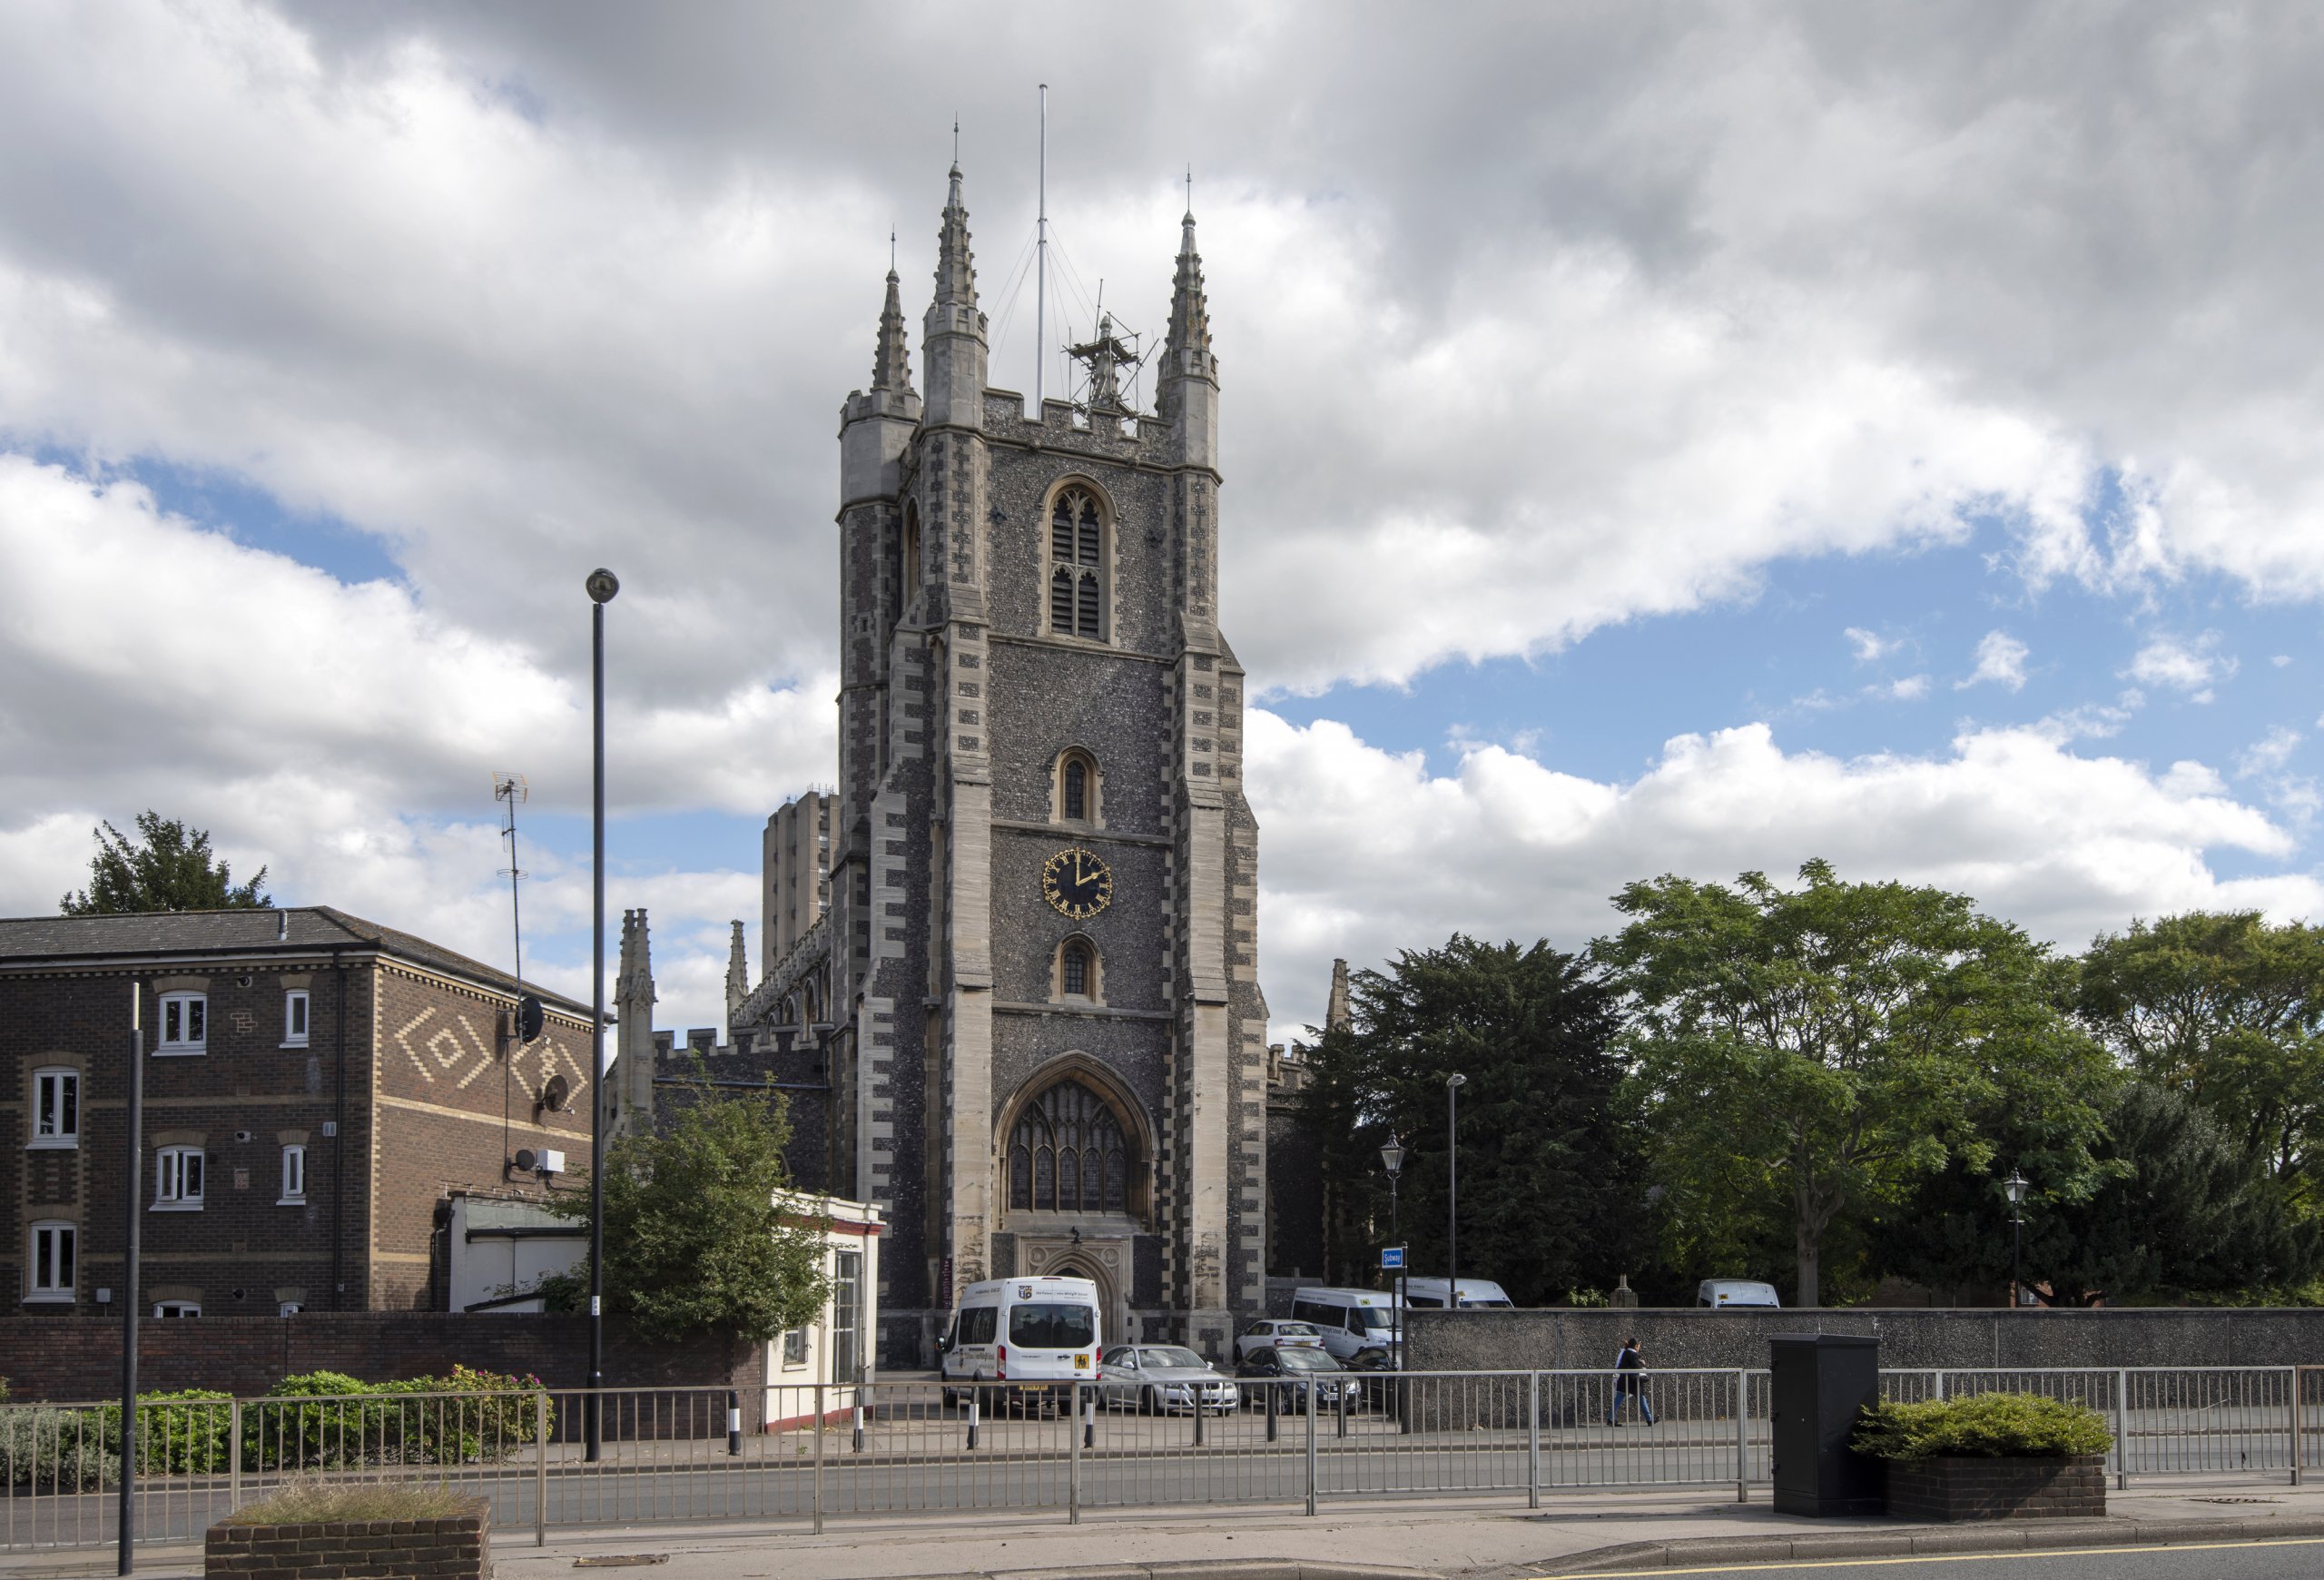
(1577, 1533)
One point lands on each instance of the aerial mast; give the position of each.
(1041, 266)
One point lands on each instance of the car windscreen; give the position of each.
(1167, 1356)
(1046, 1325)
(1295, 1330)
(1370, 1317)
(1305, 1359)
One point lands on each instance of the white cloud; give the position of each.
(2270, 754)
(2192, 668)
(1911, 688)
(1508, 846)
(1869, 645)
(2001, 659)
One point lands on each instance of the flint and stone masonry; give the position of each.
(1032, 674)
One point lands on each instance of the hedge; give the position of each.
(1981, 1426)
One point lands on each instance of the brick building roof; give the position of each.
(247, 932)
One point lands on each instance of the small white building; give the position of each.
(499, 1250)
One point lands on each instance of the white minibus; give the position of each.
(1038, 1335)
(1350, 1320)
(1476, 1294)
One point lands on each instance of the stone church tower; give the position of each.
(1047, 1049)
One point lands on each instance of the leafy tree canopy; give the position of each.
(2230, 1010)
(1547, 1198)
(168, 867)
(701, 1232)
(2182, 1210)
(1804, 1055)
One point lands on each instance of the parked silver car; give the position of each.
(1282, 1330)
(1163, 1378)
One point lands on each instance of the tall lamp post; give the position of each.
(602, 586)
(1453, 1085)
(2017, 1185)
(1392, 1158)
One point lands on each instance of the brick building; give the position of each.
(317, 1087)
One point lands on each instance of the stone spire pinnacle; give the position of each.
(738, 978)
(1336, 1015)
(956, 267)
(633, 1033)
(892, 359)
(1186, 349)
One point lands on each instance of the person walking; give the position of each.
(1630, 1380)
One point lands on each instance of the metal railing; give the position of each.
(806, 1454)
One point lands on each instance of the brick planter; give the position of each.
(459, 1548)
(2072, 1486)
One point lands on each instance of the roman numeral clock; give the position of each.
(1077, 883)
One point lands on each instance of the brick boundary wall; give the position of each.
(68, 1358)
(1951, 1487)
(459, 1548)
(1566, 1339)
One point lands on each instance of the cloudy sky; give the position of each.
(1656, 437)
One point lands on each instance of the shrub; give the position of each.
(325, 1420)
(1983, 1426)
(46, 1450)
(306, 1502)
(178, 1434)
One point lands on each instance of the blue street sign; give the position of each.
(1392, 1256)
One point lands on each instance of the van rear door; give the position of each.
(1052, 1338)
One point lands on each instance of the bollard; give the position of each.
(1197, 1391)
(541, 1468)
(734, 1424)
(819, 1460)
(2122, 1429)
(1742, 1436)
(973, 1392)
(1073, 1466)
(1088, 1419)
(1271, 1404)
(1533, 1440)
(1340, 1409)
(1307, 1396)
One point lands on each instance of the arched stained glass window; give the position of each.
(1076, 789)
(1069, 1154)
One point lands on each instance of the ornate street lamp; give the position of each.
(2017, 1185)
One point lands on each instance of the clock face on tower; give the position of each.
(1077, 883)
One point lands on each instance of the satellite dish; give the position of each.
(554, 1094)
(528, 1018)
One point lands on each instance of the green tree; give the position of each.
(2228, 1010)
(1548, 1194)
(703, 1234)
(1804, 1056)
(168, 867)
(2181, 1210)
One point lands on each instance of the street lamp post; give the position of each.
(1392, 1158)
(1453, 1085)
(2016, 1185)
(602, 586)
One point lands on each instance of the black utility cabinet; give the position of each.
(1821, 1381)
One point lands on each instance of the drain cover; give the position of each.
(2235, 1500)
(621, 1561)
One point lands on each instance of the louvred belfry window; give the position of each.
(1069, 1154)
(1077, 551)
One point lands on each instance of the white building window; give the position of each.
(52, 1248)
(294, 1177)
(177, 1308)
(177, 1179)
(56, 1108)
(185, 1023)
(294, 1018)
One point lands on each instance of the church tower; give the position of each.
(1049, 1049)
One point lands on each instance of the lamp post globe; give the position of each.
(601, 585)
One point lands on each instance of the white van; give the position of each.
(1035, 1334)
(1475, 1294)
(1717, 1292)
(1351, 1320)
